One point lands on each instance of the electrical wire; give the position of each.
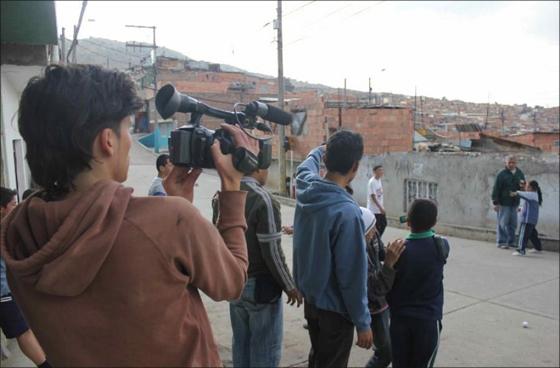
(297, 9)
(329, 15)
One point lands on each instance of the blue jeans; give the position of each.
(257, 330)
(507, 224)
(381, 339)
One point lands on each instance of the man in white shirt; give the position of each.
(375, 199)
(164, 167)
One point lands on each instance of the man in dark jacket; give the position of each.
(508, 180)
(257, 317)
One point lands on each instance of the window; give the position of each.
(414, 189)
(556, 144)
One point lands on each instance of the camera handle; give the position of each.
(195, 118)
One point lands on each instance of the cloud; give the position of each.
(460, 50)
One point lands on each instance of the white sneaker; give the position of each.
(517, 253)
(534, 251)
(4, 352)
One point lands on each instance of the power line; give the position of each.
(330, 14)
(114, 49)
(318, 21)
(292, 12)
(363, 10)
(297, 9)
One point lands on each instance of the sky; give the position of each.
(505, 52)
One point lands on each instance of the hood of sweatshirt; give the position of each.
(320, 194)
(58, 247)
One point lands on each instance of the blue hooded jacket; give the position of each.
(330, 261)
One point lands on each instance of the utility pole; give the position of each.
(415, 107)
(422, 111)
(282, 135)
(487, 113)
(74, 58)
(154, 48)
(62, 59)
(503, 119)
(369, 96)
(339, 111)
(75, 38)
(345, 97)
(534, 122)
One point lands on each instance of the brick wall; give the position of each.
(544, 141)
(202, 81)
(383, 129)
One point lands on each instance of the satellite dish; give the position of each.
(298, 122)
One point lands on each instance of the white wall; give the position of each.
(14, 79)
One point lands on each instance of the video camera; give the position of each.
(190, 144)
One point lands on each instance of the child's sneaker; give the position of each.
(534, 251)
(518, 253)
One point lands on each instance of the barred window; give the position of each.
(414, 189)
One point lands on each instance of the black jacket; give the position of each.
(380, 277)
(507, 182)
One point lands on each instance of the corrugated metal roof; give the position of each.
(468, 128)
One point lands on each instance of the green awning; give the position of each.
(29, 22)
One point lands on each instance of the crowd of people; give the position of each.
(105, 278)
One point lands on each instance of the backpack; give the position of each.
(442, 248)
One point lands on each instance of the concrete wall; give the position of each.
(464, 187)
(13, 79)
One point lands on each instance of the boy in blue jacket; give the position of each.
(330, 261)
(416, 298)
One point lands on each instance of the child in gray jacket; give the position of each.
(532, 199)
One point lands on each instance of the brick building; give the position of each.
(384, 128)
(546, 141)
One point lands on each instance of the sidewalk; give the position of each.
(488, 295)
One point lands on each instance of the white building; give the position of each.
(28, 39)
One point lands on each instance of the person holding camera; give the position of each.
(330, 260)
(105, 278)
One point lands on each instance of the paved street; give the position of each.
(488, 295)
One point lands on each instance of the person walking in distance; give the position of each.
(164, 167)
(532, 200)
(510, 179)
(375, 199)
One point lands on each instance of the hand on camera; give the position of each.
(229, 175)
(181, 181)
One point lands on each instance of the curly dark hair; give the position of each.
(61, 113)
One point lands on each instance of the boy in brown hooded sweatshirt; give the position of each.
(102, 277)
